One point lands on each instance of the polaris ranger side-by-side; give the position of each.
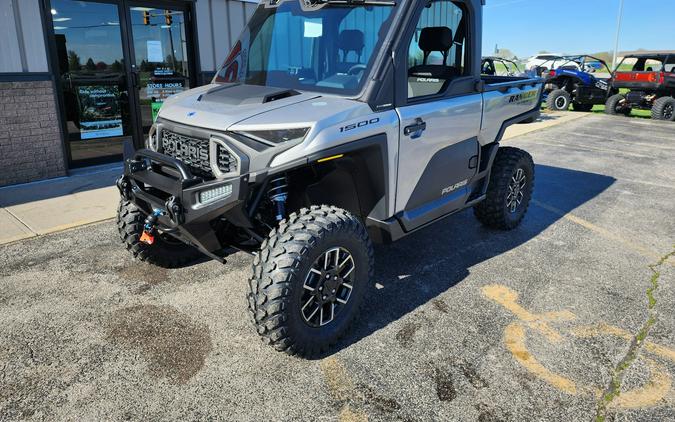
(651, 81)
(332, 123)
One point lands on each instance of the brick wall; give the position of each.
(30, 136)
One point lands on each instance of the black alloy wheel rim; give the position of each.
(516, 190)
(561, 102)
(327, 287)
(668, 112)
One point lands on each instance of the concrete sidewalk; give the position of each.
(90, 196)
(39, 208)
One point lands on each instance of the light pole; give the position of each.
(618, 31)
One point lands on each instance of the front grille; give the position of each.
(227, 162)
(193, 152)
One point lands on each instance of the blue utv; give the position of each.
(576, 80)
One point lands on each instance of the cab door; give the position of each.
(440, 116)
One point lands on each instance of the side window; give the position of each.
(437, 49)
(653, 65)
(669, 66)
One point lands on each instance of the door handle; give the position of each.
(135, 80)
(415, 130)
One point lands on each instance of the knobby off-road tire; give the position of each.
(664, 109)
(165, 252)
(512, 167)
(282, 270)
(582, 107)
(558, 100)
(613, 106)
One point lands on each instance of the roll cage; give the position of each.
(488, 67)
(579, 60)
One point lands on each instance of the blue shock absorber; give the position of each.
(278, 193)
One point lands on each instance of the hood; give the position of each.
(218, 106)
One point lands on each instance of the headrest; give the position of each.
(351, 40)
(435, 38)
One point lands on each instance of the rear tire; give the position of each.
(558, 100)
(582, 107)
(614, 107)
(165, 252)
(509, 190)
(664, 109)
(296, 286)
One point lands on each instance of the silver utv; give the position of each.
(331, 124)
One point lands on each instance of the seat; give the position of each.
(350, 40)
(435, 38)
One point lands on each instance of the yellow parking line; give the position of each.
(514, 339)
(632, 245)
(341, 388)
(648, 395)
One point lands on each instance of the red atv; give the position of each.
(651, 81)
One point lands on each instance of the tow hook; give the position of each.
(124, 187)
(174, 209)
(150, 226)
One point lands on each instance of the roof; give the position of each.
(646, 53)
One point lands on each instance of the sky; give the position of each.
(527, 27)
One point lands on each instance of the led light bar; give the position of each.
(211, 195)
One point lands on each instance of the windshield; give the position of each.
(328, 49)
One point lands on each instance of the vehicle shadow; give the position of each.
(420, 267)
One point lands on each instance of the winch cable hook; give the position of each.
(150, 226)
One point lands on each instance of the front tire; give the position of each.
(664, 109)
(165, 252)
(558, 100)
(309, 280)
(509, 190)
(615, 105)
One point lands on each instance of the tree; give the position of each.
(73, 61)
(505, 53)
(90, 64)
(116, 66)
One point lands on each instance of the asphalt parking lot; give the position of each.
(547, 322)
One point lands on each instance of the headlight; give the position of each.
(152, 141)
(277, 136)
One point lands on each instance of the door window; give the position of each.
(436, 52)
(161, 60)
(93, 80)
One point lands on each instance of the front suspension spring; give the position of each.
(278, 193)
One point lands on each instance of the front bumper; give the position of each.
(189, 205)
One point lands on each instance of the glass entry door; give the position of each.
(118, 60)
(92, 79)
(161, 66)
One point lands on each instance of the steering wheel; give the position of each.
(356, 69)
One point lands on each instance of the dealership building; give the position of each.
(79, 78)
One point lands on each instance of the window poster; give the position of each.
(155, 51)
(100, 113)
